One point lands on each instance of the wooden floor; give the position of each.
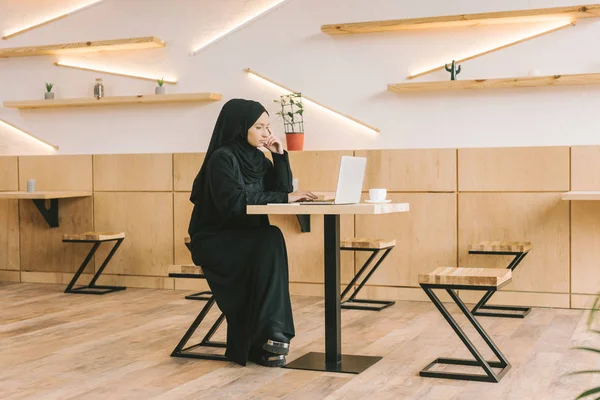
(57, 346)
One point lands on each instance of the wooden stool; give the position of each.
(452, 279)
(195, 272)
(517, 249)
(376, 246)
(205, 295)
(97, 238)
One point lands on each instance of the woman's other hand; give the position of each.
(301, 196)
(274, 144)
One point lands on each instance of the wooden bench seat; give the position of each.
(367, 243)
(375, 246)
(465, 279)
(501, 247)
(93, 236)
(97, 238)
(186, 269)
(492, 277)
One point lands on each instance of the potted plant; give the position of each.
(592, 328)
(160, 89)
(49, 95)
(292, 112)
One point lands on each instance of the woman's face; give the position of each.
(259, 132)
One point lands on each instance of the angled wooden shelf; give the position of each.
(465, 20)
(498, 83)
(149, 42)
(114, 100)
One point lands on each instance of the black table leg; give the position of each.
(333, 360)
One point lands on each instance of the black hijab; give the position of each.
(231, 130)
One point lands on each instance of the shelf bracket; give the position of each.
(49, 214)
(304, 221)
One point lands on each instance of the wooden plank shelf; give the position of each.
(499, 83)
(149, 42)
(590, 195)
(114, 100)
(466, 20)
(44, 195)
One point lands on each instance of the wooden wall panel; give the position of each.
(147, 220)
(585, 247)
(185, 168)
(10, 276)
(582, 301)
(410, 170)
(508, 298)
(9, 174)
(56, 172)
(513, 169)
(542, 218)
(133, 172)
(425, 237)
(182, 213)
(9, 234)
(317, 170)
(585, 168)
(305, 250)
(42, 248)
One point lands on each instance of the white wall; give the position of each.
(349, 73)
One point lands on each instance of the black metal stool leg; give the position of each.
(202, 296)
(479, 361)
(92, 288)
(509, 311)
(205, 296)
(69, 288)
(359, 304)
(185, 352)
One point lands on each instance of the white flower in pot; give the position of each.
(292, 112)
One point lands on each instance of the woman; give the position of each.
(244, 258)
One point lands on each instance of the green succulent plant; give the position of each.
(160, 81)
(49, 86)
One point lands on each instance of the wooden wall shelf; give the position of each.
(149, 42)
(115, 100)
(499, 83)
(464, 20)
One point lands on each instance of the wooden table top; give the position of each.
(329, 209)
(44, 195)
(582, 195)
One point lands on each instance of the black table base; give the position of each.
(349, 364)
(333, 360)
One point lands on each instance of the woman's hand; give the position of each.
(301, 196)
(274, 144)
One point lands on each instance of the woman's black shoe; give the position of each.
(266, 358)
(277, 343)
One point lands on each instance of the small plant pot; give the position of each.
(295, 141)
(48, 95)
(159, 90)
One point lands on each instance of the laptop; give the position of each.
(350, 182)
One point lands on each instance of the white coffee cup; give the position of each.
(295, 184)
(377, 194)
(31, 185)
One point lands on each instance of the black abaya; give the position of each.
(244, 258)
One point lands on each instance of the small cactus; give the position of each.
(453, 71)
